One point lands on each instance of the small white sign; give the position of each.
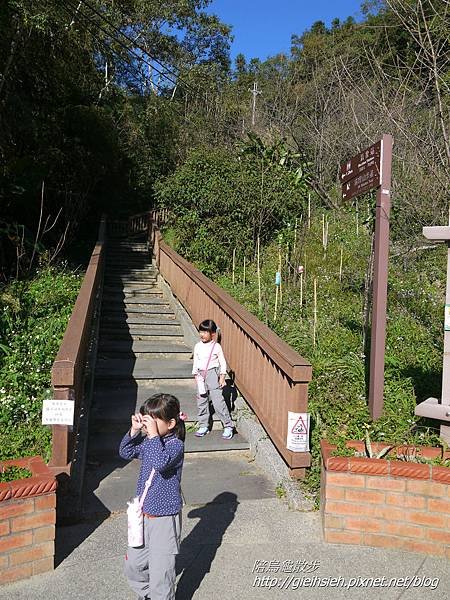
(298, 432)
(447, 318)
(57, 412)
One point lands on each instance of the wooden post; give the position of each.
(380, 277)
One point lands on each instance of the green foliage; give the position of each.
(12, 473)
(33, 317)
(224, 200)
(105, 128)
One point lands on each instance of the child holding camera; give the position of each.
(209, 369)
(156, 437)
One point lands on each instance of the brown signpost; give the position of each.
(368, 170)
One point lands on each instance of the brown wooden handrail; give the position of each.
(68, 370)
(271, 375)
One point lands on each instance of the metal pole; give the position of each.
(445, 427)
(378, 330)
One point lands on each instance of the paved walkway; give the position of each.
(239, 539)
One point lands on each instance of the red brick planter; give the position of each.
(386, 503)
(27, 521)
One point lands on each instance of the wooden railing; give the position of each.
(68, 371)
(271, 376)
(141, 223)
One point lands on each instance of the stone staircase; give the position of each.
(141, 351)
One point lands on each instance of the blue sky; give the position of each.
(262, 28)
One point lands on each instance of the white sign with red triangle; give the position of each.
(298, 432)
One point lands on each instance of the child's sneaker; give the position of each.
(227, 433)
(201, 431)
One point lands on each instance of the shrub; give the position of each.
(33, 318)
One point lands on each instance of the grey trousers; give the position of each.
(216, 397)
(150, 569)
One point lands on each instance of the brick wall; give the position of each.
(27, 522)
(383, 503)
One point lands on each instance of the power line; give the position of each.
(127, 48)
(90, 25)
(144, 50)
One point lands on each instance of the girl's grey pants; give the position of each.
(150, 569)
(217, 399)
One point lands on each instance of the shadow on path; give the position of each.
(199, 548)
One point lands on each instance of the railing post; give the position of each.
(297, 403)
(61, 434)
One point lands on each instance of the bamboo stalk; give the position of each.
(234, 264)
(315, 312)
(357, 218)
(340, 264)
(301, 289)
(295, 239)
(243, 282)
(276, 303)
(309, 211)
(279, 269)
(259, 277)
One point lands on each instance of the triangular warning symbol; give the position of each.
(299, 426)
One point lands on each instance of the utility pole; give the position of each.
(254, 92)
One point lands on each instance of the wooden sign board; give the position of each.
(362, 172)
(362, 183)
(361, 162)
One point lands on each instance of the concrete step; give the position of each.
(129, 261)
(105, 445)
(114, 291)
(214, 442)
(125, 395)
(134, 355)
(152, 347)
(121, 301)
(138, 334)
(120, 243)
(127, 269)
(141, 287)
(126, 369)
(125, 279)
(118, 310)
(137, 320)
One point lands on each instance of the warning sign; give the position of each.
(298, 432)
(300, 426)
